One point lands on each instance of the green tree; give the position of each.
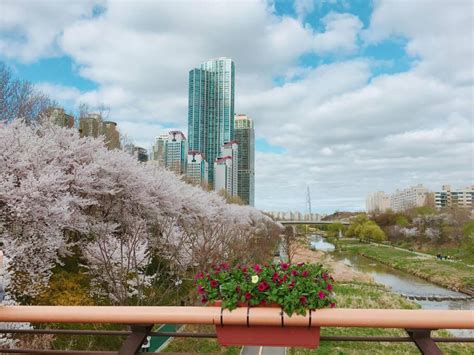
(402, 221)
(333, 230)
(356, 223)
(468, 237)
(371, 231)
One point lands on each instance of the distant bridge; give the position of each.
(289, 222)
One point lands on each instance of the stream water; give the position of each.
(399, 281)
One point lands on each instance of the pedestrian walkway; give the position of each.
(262, 350)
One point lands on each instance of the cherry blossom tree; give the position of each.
(59, 191)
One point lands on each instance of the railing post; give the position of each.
(135, 340)
(424, 342)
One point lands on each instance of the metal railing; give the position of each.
(417, 323)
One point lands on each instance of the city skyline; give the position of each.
(343, 102)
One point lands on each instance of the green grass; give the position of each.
(200, 345)
(454, 275)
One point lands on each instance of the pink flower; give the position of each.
(303, 299)
(325, 276)
(294, 272)
(305, 273)
(284, 266)
(257, 268)
(321, 295)
(214, 283)
(329, 287)
(248, 295)
(201, 290)
(199, 275)
(333, 305)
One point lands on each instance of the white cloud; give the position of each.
(340, 34)
(440, 34)
(29, 29)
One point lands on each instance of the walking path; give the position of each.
(262, 350)
(427, 256)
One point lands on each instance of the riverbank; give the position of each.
(455, 276)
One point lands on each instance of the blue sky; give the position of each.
(356, 96)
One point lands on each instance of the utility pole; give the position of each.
(308, 200)
(308, 205)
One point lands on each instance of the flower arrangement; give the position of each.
(296, 288)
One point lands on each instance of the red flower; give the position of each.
(294, 272)
(257, 268)
(244, 269)
(248, 295)
(237, 289)
(301, 264)
(333, 305)
(303, 299)
(225, 266)
(275, 277)
(325, 276)
(201, 290)
(292, 284)
(199, 275)
(214, 283)
(305, 273)
(284, 278)
(329, 287)
(203, 299)
(262, 286)
(321, 295)
(216, 267)
(284, 266)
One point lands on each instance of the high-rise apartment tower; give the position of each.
(245, 136)
(211, 109)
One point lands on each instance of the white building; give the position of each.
(223, 174)
(377, 202)
(158, 150)
(229, 158)
(448, 198)
(411, 197)
(176, 152)
(197, 169)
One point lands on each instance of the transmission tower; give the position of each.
(308, 199)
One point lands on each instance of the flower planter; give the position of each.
(286, 289)
(259, 335)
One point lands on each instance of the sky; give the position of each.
(347, 97)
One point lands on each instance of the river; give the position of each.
(399, 281)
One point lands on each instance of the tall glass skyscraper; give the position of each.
(245, 137)
(211, 109)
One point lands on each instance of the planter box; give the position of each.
(268, 336)
(259, 335)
